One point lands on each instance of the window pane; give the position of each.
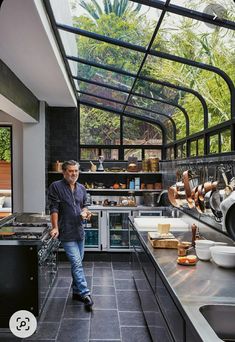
(200, 146)
(136, 132)
(226, 141)
(170, 153)
(152, 154)
(214, 143)
(110, 154)
(132, 152)
(179, 151)
(193, 148)
(99, 127)
(89, 153)
(184, 150)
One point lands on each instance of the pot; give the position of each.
(150, 199)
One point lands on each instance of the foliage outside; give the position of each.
(186, 39)
(5, 144)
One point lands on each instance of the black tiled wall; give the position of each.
(63, 134)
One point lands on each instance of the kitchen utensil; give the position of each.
(100, 166)
(93, 167)
(215, 200)
(186, 176)
(150, 199)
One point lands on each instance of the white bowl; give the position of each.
(223, 256)
(204, 243)
(203, 253)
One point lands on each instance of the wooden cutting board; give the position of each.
(163, 243)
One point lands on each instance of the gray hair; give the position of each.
(69, 163)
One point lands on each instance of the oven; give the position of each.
(28, 267)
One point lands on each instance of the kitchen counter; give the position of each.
(192, 286)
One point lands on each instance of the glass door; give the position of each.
(92, 231)
(118, 229)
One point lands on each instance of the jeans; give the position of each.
(75, 252)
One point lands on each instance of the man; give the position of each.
(67, 200)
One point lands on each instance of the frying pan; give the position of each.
(215, 204)
(230, 221)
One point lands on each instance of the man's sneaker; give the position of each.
(78, 297)
(88, 301)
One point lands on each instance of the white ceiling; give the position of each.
(28, 47)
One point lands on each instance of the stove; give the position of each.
(29, 254)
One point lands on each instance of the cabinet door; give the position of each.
(118, 230)
(92, 231)
(170, 310)
(152, 313)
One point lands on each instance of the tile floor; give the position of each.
(116, 316)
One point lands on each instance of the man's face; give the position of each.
(71, 174)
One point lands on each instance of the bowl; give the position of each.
(223, 256)
(203, 253)
(204, 243)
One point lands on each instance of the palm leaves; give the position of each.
(119, 7)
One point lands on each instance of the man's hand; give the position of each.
(54, 233)
(86, 214)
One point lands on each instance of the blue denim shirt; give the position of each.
(68, 204)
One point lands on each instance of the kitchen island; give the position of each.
(172, 295)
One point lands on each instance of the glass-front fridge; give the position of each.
(92, 231)
(118, 230)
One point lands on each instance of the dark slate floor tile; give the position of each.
(53, 310)
(104, 302)
(105, 325)
(125, 284)
(74, 330)
(88, 271)
(76, 312)
(45, 331)
(64, 272)
(138, 334)
(121, 265)
(102, 264)
(128, 301)
(103, 281)
(105, 340)
(59, 292)
(138, 274)
(87, 264)
(122, 274)
(103, 290)
(63, 282)
(64, 264)
(8, 337)
(103, 272)
(132, 318)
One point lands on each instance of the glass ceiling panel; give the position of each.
(146, 113)
(195, 40)
(202, 6)
(154, 90)
(101, 52)
(169, 110)
(102, 102)
(213, 88)
(103, 76)
(102, 91)
(123, 20)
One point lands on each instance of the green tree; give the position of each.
(5, 144)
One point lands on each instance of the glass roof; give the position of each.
(169, 61)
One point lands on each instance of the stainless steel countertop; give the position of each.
(194, 286)
(115, 207)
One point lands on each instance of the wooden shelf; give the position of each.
(112, 173)
(125, 190)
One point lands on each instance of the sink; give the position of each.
(221, 319)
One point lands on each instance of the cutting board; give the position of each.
(163, 243)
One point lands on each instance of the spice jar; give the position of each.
(182, 248)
